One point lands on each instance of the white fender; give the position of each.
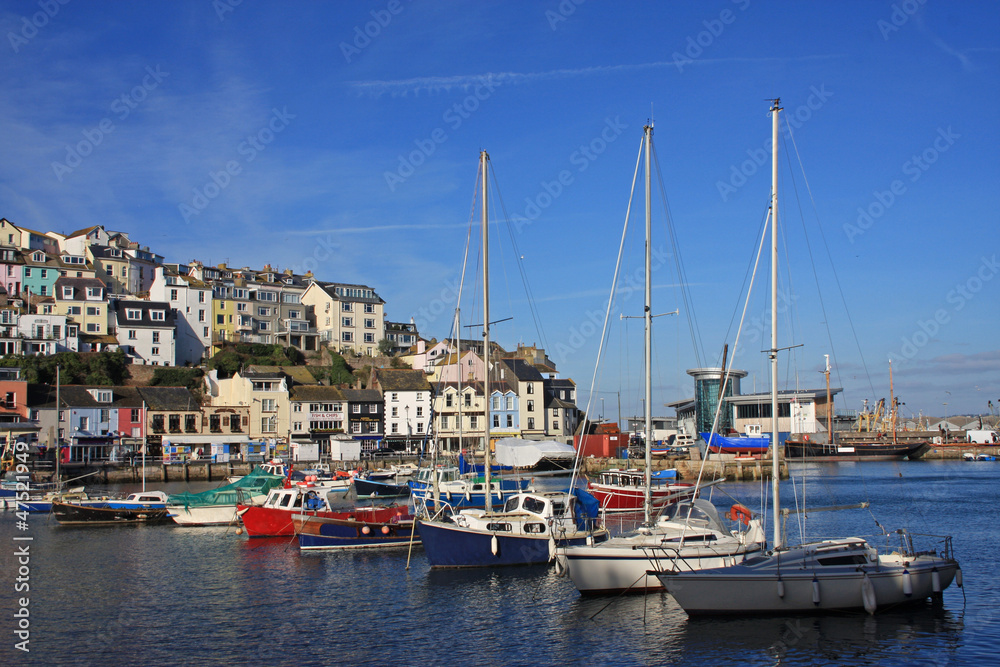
(868, 594)
(907, 584)
(935, 580)
(815, 591)
(495, 545)
(781, 589)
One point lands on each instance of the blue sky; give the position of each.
(282, 133)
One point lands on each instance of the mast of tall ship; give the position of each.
(647, 317)
(487, 455)
(773, 352)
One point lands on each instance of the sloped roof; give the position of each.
(172, 399)
(402, 379)
(362, 395)
(298, 374)
(121, 309)
(522, 370)
(316, 393)
(83, 232)
(78, 396)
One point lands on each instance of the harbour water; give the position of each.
(164, 595)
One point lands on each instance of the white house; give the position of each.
(191, 301)
(408, 399)
(48, 334)
(145, 330)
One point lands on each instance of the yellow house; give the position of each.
(348, 317)
(83, 301)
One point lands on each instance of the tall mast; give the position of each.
(143, 446)
(892, 400)
(487, 455)
(647, 316)
(829, 403)
(58, 425)
(773, 353)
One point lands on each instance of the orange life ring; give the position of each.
(806, 438)
(740, 513)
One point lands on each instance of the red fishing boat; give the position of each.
(273, 518)
(625, 490)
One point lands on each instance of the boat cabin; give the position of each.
(295, 498)
(147, 497)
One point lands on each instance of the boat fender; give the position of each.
(958, 577)
(468, 497)
(385, 530)
(365, 530)
(560, 568)
(447, 494)
(781, 588)
(495, 545)
(907, 584)
(868, 594)
(815, 591)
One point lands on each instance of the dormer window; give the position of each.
(38, 257)
(133, 314)
(95, 293)
(101, 395)
(157, 315)
(67, 292)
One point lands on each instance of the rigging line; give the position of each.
(833, 267)
(519, 261)
(607, 315)
(732, 358)
(746, 275)
(679, 264)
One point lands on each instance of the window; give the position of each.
(47, 309)
(531, 423)
(241, 307)
(264, 312)
(135, 415)
(369, 307)
(420, 411)
(268, 424)
(448, 400)
(468, 400)
(369, 323)
(356, 427)
(201, 315)
(157, 315)
(220, 319)
(174, 423)
(205, 332)
(263, 326)
(369, 338)
(92, 310)
(157, 423)
(294, 314)
(373, 427)
(84, 423)
(420, 427)
(93, 327)
(510, 421)
(347, 336)
(510, 403)
(155, 351)
(267, 296)
(531, 388)
(395, 427)
(190, 423)
(173, 295)
(124, 272)
(73, 310)
(356, 408)
(201, 297)
(131, 334)
(346, 321)
(444, 422)
(297, 426)
(496, 402)
(496, 421)
(95, 293)
(346, 307)
(531, 405)
(43, 290)
(296, 407)
(474, 421)
(395, 411)
(133, 314)
(156, 336)
(105, 415)
(27, 272)
(268, 405)
(45, 273)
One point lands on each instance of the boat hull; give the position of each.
(208, 515)
(741, 590)
(631, 498)
(811, 451)
(720, 444)
(451, 546)
(93, 515)
(316, 533)
(379, 489)
(276, 522)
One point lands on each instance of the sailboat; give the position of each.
(826, 575)
(530, 525)
(690, 534)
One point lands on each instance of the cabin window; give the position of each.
(533, 505)
(534, 528)
(498, 527)
(285, 500)
(511, 504)
(853, 559)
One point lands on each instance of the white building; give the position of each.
(408, 400)
(48, 334)
(191, 301)
(145, 330)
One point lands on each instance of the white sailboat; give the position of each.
(836, 574)
(690, 534)
(530, 525)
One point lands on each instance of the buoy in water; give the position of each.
(239, 531)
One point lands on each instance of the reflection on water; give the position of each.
(141, 595)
